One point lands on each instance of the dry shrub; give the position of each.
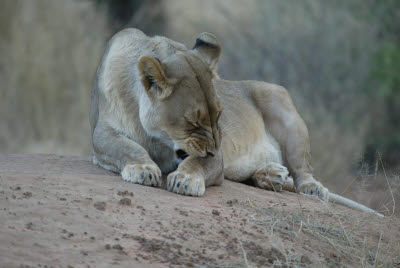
(48, 58)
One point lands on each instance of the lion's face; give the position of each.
(183, 106)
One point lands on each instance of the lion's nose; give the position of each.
(181, 154)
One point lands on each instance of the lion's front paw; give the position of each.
(187, 184)
(313, 187)
(142, 174)
(272, 177)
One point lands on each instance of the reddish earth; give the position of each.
(62, 211)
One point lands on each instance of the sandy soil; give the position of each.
(62, 211)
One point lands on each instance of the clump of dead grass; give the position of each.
(378, 189)
(354, 238)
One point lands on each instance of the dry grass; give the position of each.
(348, 239)
(380, 192)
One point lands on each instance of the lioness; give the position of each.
(160, 108)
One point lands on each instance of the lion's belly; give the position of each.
(246, 145)
(241, 165)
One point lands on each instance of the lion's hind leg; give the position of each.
(273, 177)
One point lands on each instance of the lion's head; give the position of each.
(182, 104)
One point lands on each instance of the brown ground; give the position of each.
(62, 211)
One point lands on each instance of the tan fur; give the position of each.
(153, 97)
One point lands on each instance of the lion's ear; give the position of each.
(209, 48)
(153, 78)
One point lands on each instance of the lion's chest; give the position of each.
(163, 155)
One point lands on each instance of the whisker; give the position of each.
(227, 126)
(228, 130)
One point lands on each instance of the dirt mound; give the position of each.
(63, 211)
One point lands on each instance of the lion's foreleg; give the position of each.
(116, 152)
(194, 174)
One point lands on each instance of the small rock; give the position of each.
(141, 207)
(100, 205)
(124, 193)
(108, 246)
(63, 199)
(29, 226)
(125, 201)
(27, 194)
(232, 202)
(117, 247)
(183, 213)
(215, 212)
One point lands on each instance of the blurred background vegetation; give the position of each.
(340, 60)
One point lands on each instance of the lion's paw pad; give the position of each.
(186, 184)
(272, 177)
(313, 188)
(142, 174)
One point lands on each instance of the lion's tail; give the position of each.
(337, 199)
